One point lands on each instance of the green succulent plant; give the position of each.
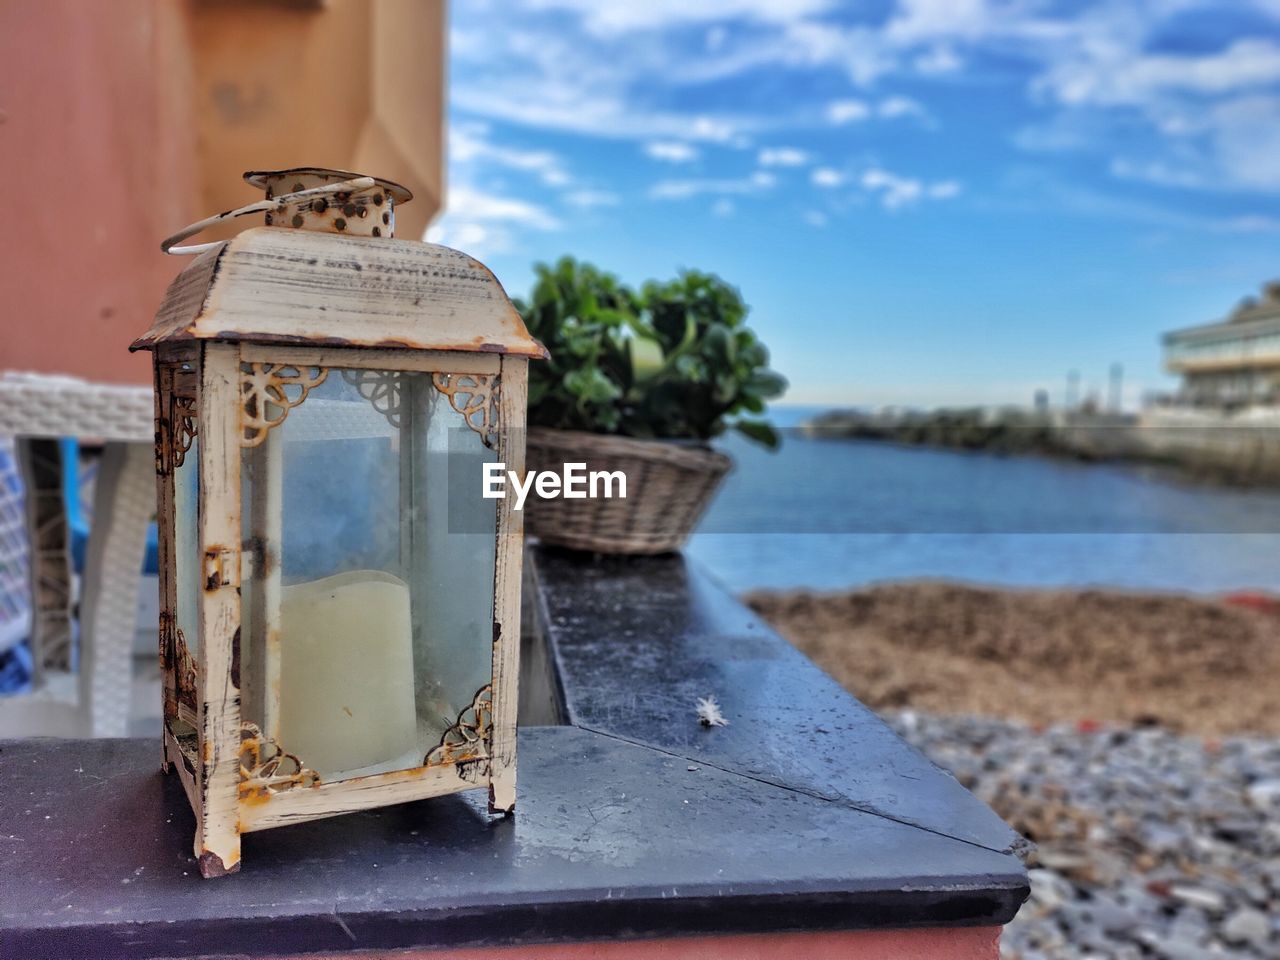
(674, 360)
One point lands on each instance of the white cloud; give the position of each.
(589, 199)
(545, 75)
(715, 129)
(1249, 223)
(469, 144)
(1043, 191)
(937, 60)
(860, 52)
(840, 112)
(1244, 134)
(1096, 70)
(893, 107)
(477, 205)
(581, 109)
(671, 151)
(895, 191)
(815, 218)
(1232, 144)
(828, 178)
(604, 17)
(920, 20)
(476, 239)
(782, 157)
(1158, 172)
(724, 207)
(757, 182)
(1116, 76)
(482, 223)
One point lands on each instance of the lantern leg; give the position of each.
(506, 593)
(261, 592)
(217, 844)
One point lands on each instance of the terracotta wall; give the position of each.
(121, 121)
(96, 151)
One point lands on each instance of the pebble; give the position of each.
(1247, 925)
(1264, 794)
(1197, 897)
(1150, 844)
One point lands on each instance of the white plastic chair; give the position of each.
(95, 699)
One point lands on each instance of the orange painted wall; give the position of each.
(962, 943)
(96, 153)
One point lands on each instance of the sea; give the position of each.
(829, 514)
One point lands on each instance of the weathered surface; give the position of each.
(805, 813)
(302, 287)
(639, 641)
(609, 837)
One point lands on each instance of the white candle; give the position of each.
(346, 672)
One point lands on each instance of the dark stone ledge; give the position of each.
(637, 642)
(634, 822)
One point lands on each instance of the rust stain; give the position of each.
(212, 566)
(253, 795)
(211, 865)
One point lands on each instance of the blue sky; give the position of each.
(924, 201)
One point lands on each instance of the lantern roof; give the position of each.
(282, 286)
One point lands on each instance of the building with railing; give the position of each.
(1233, 361)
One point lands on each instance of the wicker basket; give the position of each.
(669, 485)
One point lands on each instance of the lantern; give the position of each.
(339, 600)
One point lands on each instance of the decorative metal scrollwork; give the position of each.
(468, 738)
(266, 768)
(185, 671)
(177, 662)
(269, 391)
(175, 431)
(381, 388)
(475, 396)
(182, 427)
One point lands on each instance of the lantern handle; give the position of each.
(261, 206)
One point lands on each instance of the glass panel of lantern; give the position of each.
(367, 576)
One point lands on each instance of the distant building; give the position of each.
(1232, 361)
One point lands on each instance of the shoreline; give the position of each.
(1241, 449)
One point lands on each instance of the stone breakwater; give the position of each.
(1150, 844)
(1241, 446)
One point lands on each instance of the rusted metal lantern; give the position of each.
(339, 623)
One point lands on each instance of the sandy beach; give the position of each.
(1188, 664)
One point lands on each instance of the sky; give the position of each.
(925, 202)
